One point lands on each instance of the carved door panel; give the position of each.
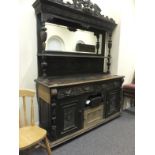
(70, 117)
(113, 102)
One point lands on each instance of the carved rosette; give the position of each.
(109, 53)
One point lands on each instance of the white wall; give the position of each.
(122, 11)
(123, 49)
(28, 48)
(126, 65)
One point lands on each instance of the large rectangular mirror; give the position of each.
(62, 38)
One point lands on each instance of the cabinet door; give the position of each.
(113, 102)
(70, 117)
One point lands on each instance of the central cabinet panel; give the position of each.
(69, 112)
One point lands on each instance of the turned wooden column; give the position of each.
(109, 52)
(43, 36)
(97, 43)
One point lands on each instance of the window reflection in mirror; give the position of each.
(60, 38)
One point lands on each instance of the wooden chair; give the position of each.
(30, 135)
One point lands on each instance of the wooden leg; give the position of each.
(48, 146)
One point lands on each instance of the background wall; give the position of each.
(123, 49)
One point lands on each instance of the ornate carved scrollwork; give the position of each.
(74, 91)
(87, 6)
(97, 10)
(80, 90)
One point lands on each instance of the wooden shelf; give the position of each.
(70, 54)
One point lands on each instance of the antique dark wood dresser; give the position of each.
(75, 89)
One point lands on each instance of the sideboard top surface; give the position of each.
(75, 80)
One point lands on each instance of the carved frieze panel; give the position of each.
(85, 6)
(74, 91)
(79, 90)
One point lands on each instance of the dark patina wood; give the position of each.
(69, 15)
(72, 93)
(109, 52)
(72, 87)
(81, 14)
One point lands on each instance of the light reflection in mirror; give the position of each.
(60, 38)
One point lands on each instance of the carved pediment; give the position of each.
(87, 6)
(82, 12)
(83, 5)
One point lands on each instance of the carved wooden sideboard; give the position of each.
(75, 90)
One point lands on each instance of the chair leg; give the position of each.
(48, 146)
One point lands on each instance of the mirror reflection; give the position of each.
(60, 38)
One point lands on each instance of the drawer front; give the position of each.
(92, 116)
(74, 91)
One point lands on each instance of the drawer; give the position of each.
(74, 91)
(92, 116)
